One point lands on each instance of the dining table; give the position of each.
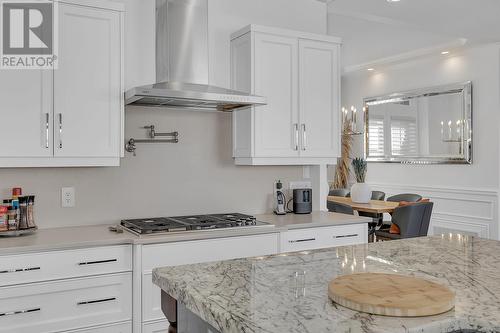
(374, 206)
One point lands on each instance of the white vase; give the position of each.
(361, 193)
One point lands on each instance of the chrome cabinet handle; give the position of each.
(296, 128)
(10, 313)
(47, 130)
(97, 301)
(346, 236)
(304, 137)
(302, 240)
(60, 131)
(16, 270)
(96, 262)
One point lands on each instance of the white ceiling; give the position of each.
(374, 29)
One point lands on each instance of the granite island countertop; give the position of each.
(288, 292)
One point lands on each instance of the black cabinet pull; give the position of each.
(302, 240)
(97, 301)
(10, 313)
(16, 270)
(96, 262)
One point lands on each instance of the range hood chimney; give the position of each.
(182, 63)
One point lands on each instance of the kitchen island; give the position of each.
(288, 292)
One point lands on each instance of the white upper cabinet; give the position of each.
(319, 98)
(26, 113)
(72, 115)
(87, 84)
(299, 75)
(276, 60)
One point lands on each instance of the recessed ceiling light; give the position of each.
(393, 0)
(370, 69)
(445, 52)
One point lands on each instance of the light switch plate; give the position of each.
(68, 197)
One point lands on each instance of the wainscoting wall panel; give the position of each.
(456, 210)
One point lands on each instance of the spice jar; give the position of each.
(3, 218)
(31, 216)
(17, 192)
(23, 213)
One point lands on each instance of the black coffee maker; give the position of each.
(302, 201)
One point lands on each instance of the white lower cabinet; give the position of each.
(317, 238)
(191, 252)
(156, 327)
(66, 304)
(53, 265)
(116, 328)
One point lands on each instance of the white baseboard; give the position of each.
(467, 210)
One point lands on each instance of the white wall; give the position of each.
(195, 176)
(465, 196)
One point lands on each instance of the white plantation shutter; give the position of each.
(376, 140)
(404, 137)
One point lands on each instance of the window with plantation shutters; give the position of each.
(404, 137)
(376, 141)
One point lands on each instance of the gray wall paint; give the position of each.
(195, 176)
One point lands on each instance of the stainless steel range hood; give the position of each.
(182, 63)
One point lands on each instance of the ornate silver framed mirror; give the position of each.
(424, 126)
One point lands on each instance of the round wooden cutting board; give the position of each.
(391, 295)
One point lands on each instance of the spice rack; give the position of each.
(17, 215)
(17, 233)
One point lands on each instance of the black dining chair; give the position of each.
(339, 192)
(378, 195)
(408, 197)
(413, 221)
(378, 219)
(337, 207)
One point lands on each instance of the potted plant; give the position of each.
(360, 192)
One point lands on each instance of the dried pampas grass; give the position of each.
(343, 166)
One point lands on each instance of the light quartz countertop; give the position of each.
(313, 220)
(288, 292)
(99, 235)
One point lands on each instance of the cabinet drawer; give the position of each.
(192, 252)
(116, 328)
(317, 238)
(65, 305)
(44, 266)
(344, 235)
(300, 240)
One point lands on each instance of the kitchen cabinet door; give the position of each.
(319, 87)
(26, 110)
(88, 102)
(276, 77)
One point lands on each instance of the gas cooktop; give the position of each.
(189, 223)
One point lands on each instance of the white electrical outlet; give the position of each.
(68, 197)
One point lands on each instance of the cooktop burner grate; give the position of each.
(187, 223)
